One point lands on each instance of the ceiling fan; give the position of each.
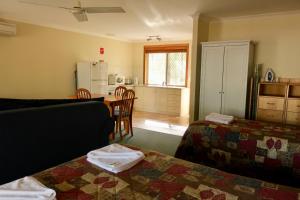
(80, 12)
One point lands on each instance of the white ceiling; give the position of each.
(171, 19)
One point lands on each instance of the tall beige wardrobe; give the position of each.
(226, 69)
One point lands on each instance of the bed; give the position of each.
(257, 149)
(160, 177)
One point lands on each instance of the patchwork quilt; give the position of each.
(251, 148)
(158, 177)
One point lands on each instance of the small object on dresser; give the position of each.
(269, 76)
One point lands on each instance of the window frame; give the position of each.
(173, 48)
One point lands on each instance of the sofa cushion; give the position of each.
(8, 104)
(34, 139)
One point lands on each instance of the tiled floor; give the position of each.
(161, 123)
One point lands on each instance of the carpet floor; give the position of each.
(151, 140)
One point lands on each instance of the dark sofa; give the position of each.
(9, 104)
(39, 137)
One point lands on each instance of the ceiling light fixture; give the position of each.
(153, 37)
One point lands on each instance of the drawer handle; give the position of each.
(298, 106)
(272, 103)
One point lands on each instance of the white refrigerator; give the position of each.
(92, 76)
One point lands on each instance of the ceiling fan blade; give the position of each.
(104, 9)
(80, 16)
(48, 5)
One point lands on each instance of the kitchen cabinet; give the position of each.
(163, 100)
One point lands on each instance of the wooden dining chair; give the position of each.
(131, 95)
(125, 112)
(119, 91)
(83, 93)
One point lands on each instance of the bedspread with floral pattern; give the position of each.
(159, 177)
(264, 150)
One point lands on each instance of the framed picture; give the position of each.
(269, 76)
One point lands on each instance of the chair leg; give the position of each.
(112, 136)
(130, 124)
(116, 126)
(120, 128)
(126, 125)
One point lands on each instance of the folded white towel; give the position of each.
(115, 158)
(219, 118)
(27, 188)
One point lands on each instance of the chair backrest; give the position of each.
(128, 101)
(119, 91)
(82, 93)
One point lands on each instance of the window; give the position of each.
(166, 65)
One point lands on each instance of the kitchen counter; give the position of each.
(161, 86)
(162, 99)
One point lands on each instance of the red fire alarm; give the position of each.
(101, 50)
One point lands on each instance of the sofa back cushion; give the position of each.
(9, 104)
(35, 139)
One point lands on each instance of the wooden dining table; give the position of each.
(110, 100)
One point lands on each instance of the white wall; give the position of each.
(39, 62)
(276, 36)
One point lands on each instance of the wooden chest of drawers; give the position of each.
(279, 102)
(271, 109)
(293, 111)
(293, 118)
(270, 115)
(271, 103)
(293, 105)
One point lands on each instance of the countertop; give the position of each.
(161, 86)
